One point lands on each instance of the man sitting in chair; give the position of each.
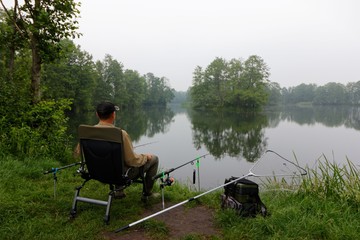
(106, 112)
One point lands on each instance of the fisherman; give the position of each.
(148, 163)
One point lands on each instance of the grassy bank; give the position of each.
(326, 206)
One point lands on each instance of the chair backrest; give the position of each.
(102, 152)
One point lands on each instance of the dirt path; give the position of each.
(180, 221)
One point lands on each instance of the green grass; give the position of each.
(325, 206)
(295, 216)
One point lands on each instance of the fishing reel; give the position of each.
(166, 181)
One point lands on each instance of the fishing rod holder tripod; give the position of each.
(55, 170)
(165, 181)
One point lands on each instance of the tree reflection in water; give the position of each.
(234, 134)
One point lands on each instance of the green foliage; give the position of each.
(300, 93)
(127, 88)
(135, 89)
(14, 90)
(158, 91)
(48, 22)
(110, 84)
(274, 92)
(232, 84)
(329, 94)
(39, 26)
(353, 90)
(72, 76)
(39, 130)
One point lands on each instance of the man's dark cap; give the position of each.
(106, 108)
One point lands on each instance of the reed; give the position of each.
(329, 179)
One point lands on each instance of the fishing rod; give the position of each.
(163, 173)
(141, 145)
(249, 174)
(55, 170)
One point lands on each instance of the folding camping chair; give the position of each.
(102, 159)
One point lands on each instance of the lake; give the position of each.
(234, 141)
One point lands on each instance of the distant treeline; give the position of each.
(88, 82)
(329, 94)
(245, 84)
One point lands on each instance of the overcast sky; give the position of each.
(302, 41)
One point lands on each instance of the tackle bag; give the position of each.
(243, 197)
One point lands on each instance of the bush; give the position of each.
(39, 130)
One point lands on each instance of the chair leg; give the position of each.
(107, 213)
(74, 206)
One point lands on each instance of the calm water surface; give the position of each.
(234, 141)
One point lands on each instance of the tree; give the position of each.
(331, 94)
(14, 72)
(71, 76)
(233, 83)
(113, 76)
(110, 85)
(9, 44)
(234, 71)
(4, 32)
(215, 77)
(198, 91)
(158, 90)
(303, 93)
(135, 88)
(254, 78)
(274, 92)
(43, 24)
(102, 89)
(353, 90)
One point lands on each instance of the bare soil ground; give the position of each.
(180, 221)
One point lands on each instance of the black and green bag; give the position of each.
(243, 197)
